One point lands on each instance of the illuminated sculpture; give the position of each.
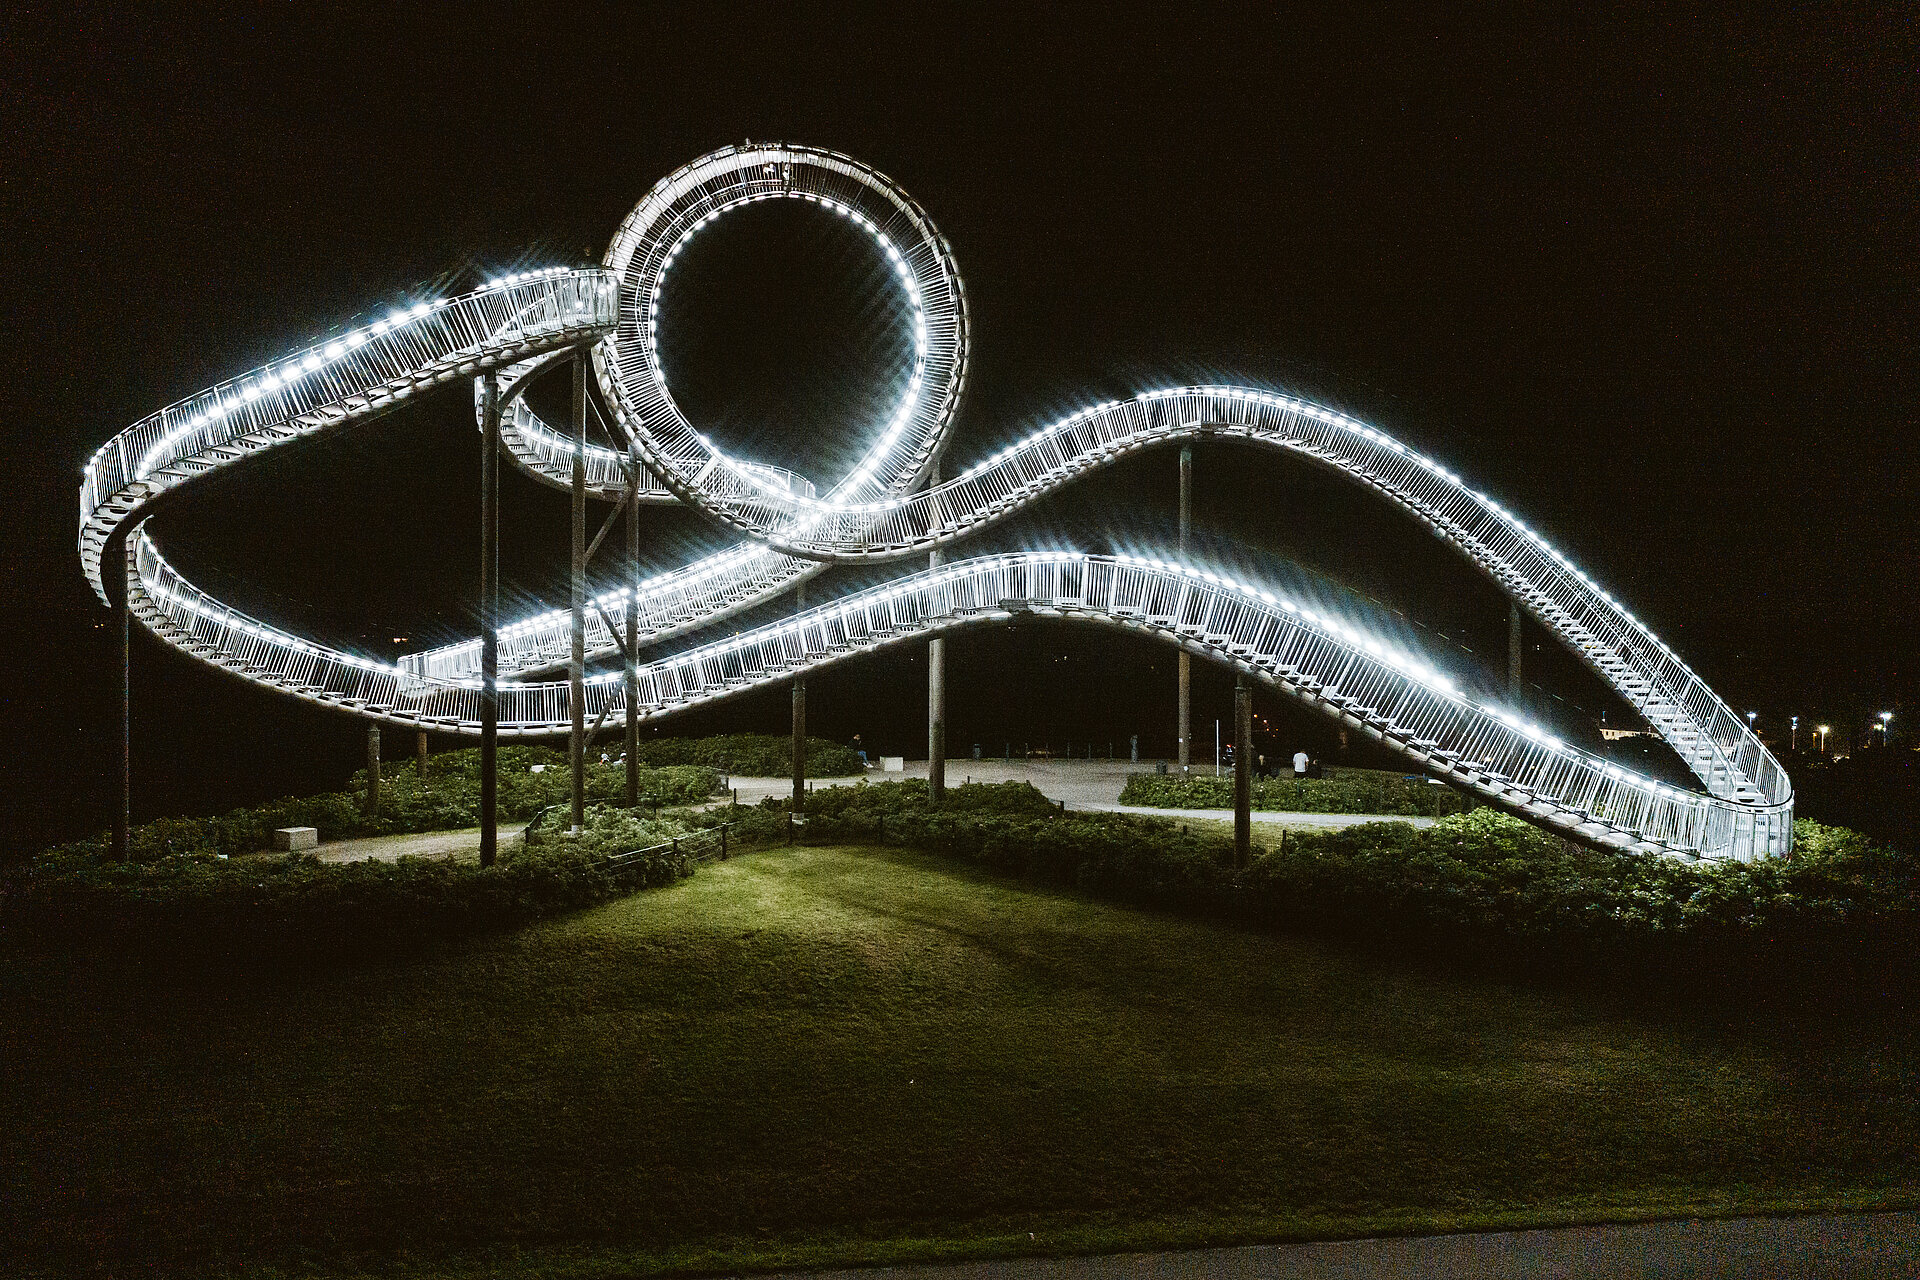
(502, 335)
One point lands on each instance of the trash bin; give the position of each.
(976, 751)
(1161, 767)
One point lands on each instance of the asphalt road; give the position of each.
(1849, 1247)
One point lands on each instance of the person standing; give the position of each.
(1299, 764)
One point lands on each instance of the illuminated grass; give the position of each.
(822, 1056)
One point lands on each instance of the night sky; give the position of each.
(1649, 281)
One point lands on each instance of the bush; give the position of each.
(608, 830)
(1341, 791)
(197, 902)
(753, 755)
(190, 882)
(1482, 874)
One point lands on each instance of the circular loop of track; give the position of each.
(650, 241)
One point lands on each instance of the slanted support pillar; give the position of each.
(1513, 653)
(373, 768)
(1186, 659)
(577, 601)
(633, 640)
(489, 618)
(936, 695)
(800, 724)
(1242, 772)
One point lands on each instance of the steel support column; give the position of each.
(420, 746)
(1513, 654)
(373, 768)
(800, 722)
(489, 619)
(1242, 772)
(116, 572)
(1186, 659)
(632, 675)
(577, 603)
(936, 693)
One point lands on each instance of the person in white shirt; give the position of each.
(1299, 764)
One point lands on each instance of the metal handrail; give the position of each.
(1392, 695)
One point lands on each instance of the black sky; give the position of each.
(1648, 278)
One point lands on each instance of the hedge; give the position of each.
(1481, 874)
(753, 755)
(192, 903)
(1341, 791)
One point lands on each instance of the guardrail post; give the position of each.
(1186, 659)
(489, 619)
(723, 841)
(577, 601)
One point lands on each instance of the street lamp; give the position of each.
(1823, 738)
(1884, 717)
(1751, 717)
(1793, 736)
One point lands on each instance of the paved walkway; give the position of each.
(1092, 785)
(462, 845)
(1850, 1247)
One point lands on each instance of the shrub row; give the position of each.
(753, 755)
(1341, 791)
(447, 799)
(198, 902)
(1480, 873)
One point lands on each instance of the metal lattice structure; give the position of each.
(509, 332)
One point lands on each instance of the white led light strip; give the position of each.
(515, 324)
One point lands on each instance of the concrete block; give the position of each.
(893, 764)
(292, 839)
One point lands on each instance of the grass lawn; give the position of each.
(818, 1056)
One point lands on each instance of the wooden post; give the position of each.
(489, 619)
(420, 746)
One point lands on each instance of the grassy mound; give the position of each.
(829, 1057)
